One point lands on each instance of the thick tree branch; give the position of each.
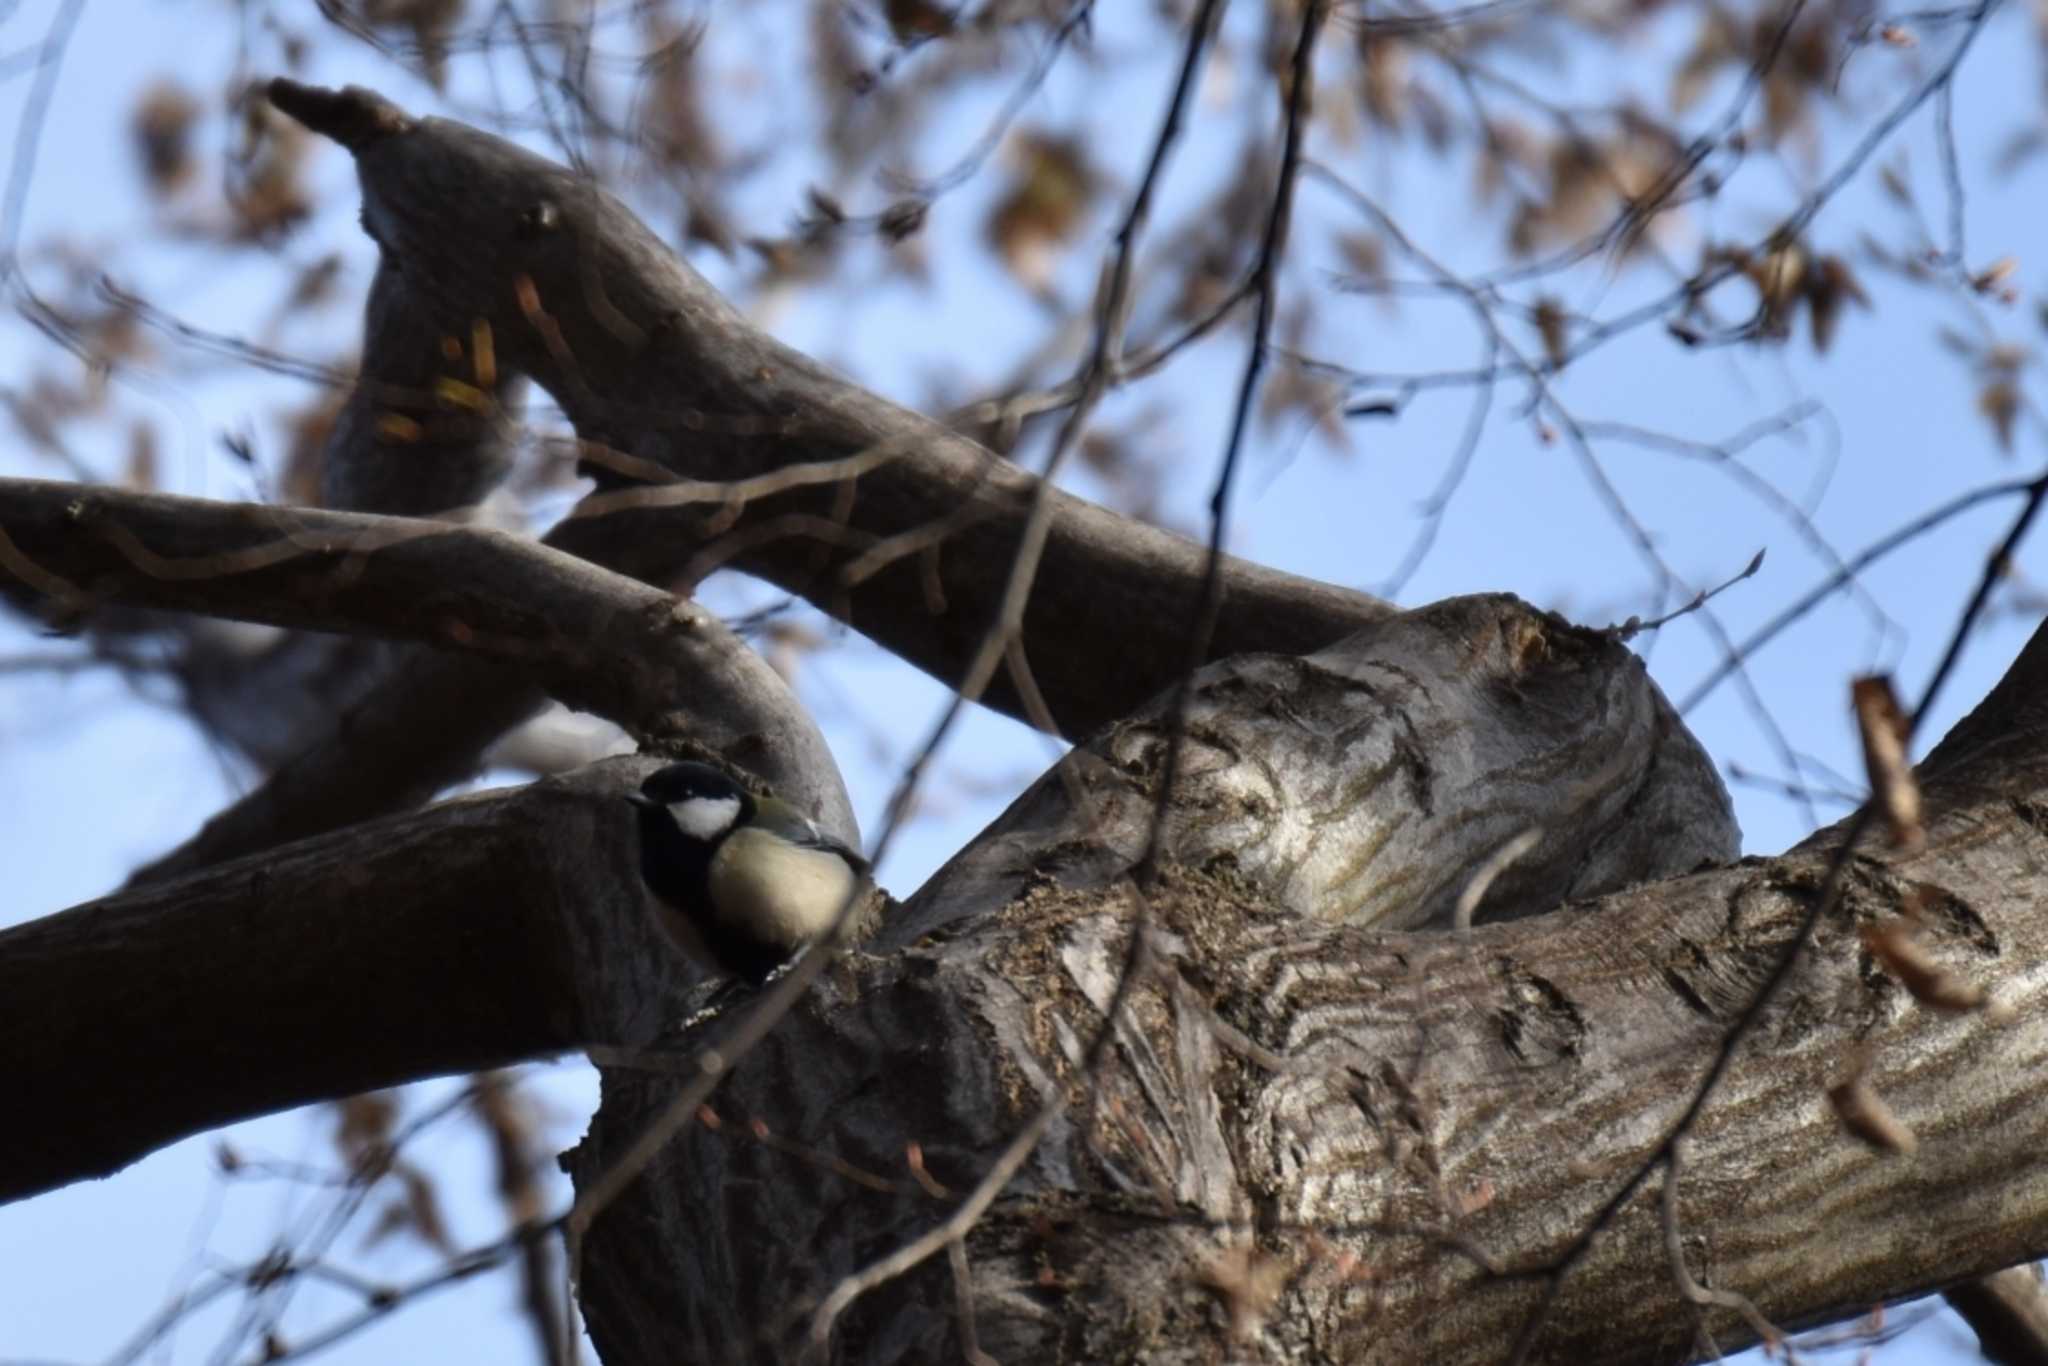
(658, 372)
(429, 428)
(1536, 695)
(1366, 783)
(884, 518)
(1405, 1126)
(599, 641)
(412, 735)
(471, 588)
(1440, 1108)
(417, 946)
(448, 940)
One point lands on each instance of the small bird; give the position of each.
(750, 881)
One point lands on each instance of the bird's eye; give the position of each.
(537, 218)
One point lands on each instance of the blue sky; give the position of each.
(96, 778)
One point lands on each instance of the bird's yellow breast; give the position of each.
(778, 891)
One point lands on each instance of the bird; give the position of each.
(746, 882)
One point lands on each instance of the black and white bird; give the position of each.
(745, 882)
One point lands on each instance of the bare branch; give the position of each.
(647, 360)
(597, 640)
(432, 944)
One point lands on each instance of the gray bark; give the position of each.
(1394, 1117)
(1405, 1126)
(1315, 1131)
(766, 462)
(663, 669)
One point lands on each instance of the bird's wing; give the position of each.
(814, 837)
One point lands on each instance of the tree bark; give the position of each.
(1311, 1131)
(758, 457)
(663, 669)
(1395, 1133)
(2009, 1314)
(413, 947)
(904, 530)
(463, 937)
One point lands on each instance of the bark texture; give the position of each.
(1312, 1129)
(1318, 1142)
(1367, 782)
(661, 668)
(480, 932)
(899, 527)
(414, 947)
(755, 456)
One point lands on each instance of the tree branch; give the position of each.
(1413, 1125)
(2008, 1313)
(1440, 1108)
(596, 640)
(902, 528)
(658, 372)
(413, 947)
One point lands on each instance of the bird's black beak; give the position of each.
(643, 801)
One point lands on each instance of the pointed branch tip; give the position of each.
(351, 116)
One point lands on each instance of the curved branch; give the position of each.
(658, 372)
(909, 541)
(599, 641)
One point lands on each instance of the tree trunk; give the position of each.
(1277, 1110)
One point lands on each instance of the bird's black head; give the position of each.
(685, 811)
(700, 803)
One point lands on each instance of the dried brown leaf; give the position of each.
(903, 219)
(1506, 146)
(1713, 47)
(423, 1209)
(1550, 325)
(1048, 196)
(1892, 177)
(1883, 726)
(363, 1128)
(1999, 402)
(785, 644)
(2020, 148)
(268, 196)
(305, 431)
(1897, 947)
(913, 21)
(1364, 254)
(315, 283)
(675, 121)
(705, 221)
(1384, 83)
(1829, 285)
(429, 23)
(162, 127)
(142, 462)
(1993, 275)
(1863, 1113)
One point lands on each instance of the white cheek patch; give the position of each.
(705, 818)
